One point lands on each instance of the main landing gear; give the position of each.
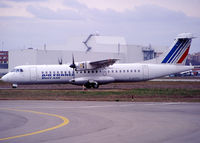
(89, 85)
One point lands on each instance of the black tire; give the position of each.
(87, 85)
(96, 85)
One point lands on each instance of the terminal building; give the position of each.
(84, 48)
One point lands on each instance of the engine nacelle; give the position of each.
(84, 66)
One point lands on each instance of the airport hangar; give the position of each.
(84, 48)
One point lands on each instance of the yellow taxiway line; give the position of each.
(65, 122)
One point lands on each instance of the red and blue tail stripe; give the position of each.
(178, 52)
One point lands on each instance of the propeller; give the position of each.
(73, 65)
(60, 61)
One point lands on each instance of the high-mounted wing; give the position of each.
(103, 63)
(95, 65)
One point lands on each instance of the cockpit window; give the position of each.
(17, 70)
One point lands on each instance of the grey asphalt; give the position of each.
(101, 122)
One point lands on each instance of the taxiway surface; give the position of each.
(98, 122)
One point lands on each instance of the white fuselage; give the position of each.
(46, 74)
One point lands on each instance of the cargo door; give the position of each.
(33, 74)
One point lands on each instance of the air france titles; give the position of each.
(58, 75)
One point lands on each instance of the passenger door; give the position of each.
(145, 72)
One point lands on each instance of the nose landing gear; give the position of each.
(14, 85)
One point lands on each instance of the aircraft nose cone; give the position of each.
(4, 78)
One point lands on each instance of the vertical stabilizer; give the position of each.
(177, 53)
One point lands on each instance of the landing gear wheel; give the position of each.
(87, 85)
(96, 85)
(14, 85)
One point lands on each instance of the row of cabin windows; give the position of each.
(57, 73)
(89, 71)
(109, 71)
(120, 71)
(63, 73)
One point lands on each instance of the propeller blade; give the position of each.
(60, 61)
(73, 59)
(73, 65)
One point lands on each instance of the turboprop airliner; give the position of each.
(91, 74)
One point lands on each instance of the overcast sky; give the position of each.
(31, 23)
